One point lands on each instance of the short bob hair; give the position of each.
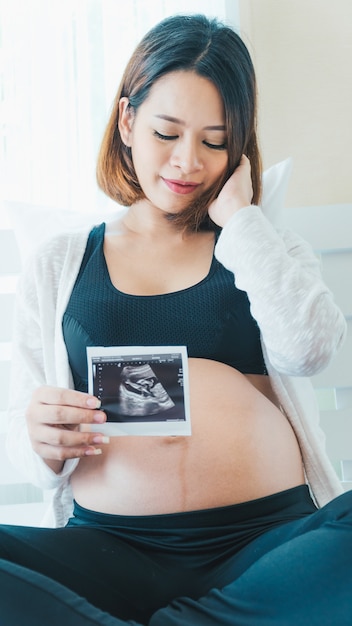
(211, 50)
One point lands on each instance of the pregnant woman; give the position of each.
(243, 521)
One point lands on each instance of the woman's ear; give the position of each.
(125, 120)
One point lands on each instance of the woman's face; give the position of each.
(177, 138)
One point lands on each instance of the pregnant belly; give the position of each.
(241, 448)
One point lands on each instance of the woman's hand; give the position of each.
(235, 194)
(54, 418)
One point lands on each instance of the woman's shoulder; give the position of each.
(64, 243)
(54, 258)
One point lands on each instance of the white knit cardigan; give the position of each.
(301, 329)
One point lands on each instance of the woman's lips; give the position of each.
(179, 186)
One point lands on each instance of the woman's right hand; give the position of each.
(54, 419)
(235, 194)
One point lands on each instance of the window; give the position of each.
(60, 65)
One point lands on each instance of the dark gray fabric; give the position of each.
(296, 572)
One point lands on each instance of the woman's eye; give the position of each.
(164, 137)
(216, 146)
(213, 146)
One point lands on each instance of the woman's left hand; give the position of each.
(235, 194)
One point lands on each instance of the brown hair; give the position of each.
(212, 50)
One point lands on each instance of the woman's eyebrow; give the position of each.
(175, 120)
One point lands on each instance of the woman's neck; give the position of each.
(143, 218)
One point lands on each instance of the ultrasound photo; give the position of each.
(142, 390)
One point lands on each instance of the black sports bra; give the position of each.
(212, 318)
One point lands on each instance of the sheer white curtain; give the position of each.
(60, 64)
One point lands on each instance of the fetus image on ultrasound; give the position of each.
(140, 392)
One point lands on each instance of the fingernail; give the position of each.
(93, 403)
(99, 417)
(101, 439)
(93, 451)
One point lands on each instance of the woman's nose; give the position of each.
(186, 156)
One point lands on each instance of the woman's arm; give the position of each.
(44, 439)
(301, 325)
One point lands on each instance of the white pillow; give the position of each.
(33, 224)
(275, 182)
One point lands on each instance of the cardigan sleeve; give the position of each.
(301, 325)
(33, 329)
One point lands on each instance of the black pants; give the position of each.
(273, 561)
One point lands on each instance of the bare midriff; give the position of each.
(242, 447)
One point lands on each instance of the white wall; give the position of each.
(302, 51)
